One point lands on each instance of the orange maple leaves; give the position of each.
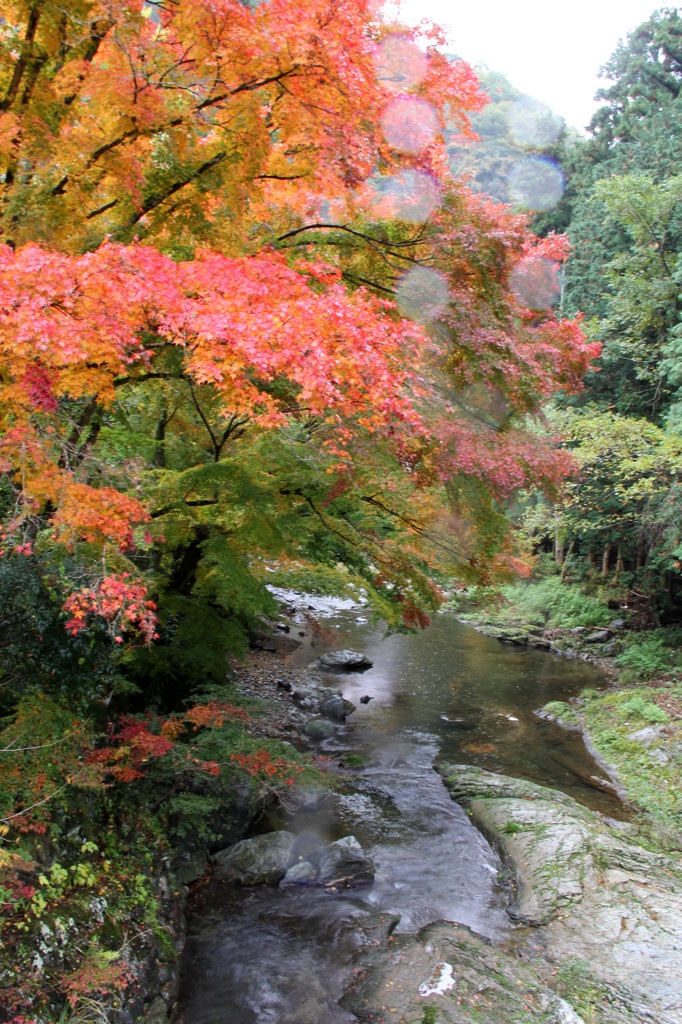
(117, 599)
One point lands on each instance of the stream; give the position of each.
(273, 956)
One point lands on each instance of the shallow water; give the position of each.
(266, 956)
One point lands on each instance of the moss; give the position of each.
(575, 983)
(563, 713)
(651, 771)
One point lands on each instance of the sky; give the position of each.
(552, 51)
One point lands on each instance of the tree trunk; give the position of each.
(564, 569)
(605, 560)
(558, 547)
(159, 459)
(620, 566)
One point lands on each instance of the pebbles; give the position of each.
(296, 704)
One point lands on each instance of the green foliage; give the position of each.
(639, 707)
(575, 983)
(36, 652)
(564, 713)
(649, 656)
(651, 771)
(624, 503)
(549, 602)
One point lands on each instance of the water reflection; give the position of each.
(476, 696)
(271, 956)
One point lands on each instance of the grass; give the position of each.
(551, 603)
(649, 655)
(650, 772)
(574, 983)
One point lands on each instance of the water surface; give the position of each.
(268, 956)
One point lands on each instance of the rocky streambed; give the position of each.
(410, 895)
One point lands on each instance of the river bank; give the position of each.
(380, 969)
(591, 908)
(634, 728)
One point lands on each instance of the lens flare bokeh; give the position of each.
(400, 64)
(535, 283)
(532, 123)
(536, 183)
(409, 124)
(422, 294)
(411, 196)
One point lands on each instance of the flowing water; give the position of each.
(269, 956)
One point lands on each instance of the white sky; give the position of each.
(551, 51)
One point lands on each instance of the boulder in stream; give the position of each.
(345, 863)
(448, 974)
(344, 661)
(262, 860)
(601, 900)
(318, 729)
(337, 708)
(303, 873)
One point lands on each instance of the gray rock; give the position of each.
(561, 1012)
(601, 899)
(157, 1013)
(617, 624)
(646, 736)
(600, 637)
(578, 629)
(188, 867)
(344, 661)
(345, 862)
(318, 729)
(307, 798)
(337, 708)
(490, 986)
(302, 873)
(262, 860)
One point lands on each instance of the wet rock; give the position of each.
(458, 723)
(262, 860)
(376, 928)
(507, 634)
(302, 873)
(318, 729)
(483, 984)
(617, 624)
(157, 1013)
(345, 863)
(600, 637)
(187, 867)
(344, 661)
(599, 897)
(337, 708)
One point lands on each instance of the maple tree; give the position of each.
(245, 129)
(251, 330)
